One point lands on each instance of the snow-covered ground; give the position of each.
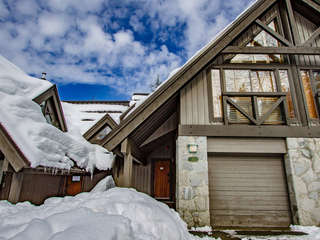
(117, 214)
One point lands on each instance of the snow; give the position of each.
(78, 114)
(118, 213)
(42, 143)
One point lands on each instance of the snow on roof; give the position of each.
(41, 143)
(85, 115)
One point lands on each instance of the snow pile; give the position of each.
(118, 213)
(86, 115)
(41, 143)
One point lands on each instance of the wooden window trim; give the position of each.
(310, 70)
(240, 66)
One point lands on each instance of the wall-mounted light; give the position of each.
(192, 148)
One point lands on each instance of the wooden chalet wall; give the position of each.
(196, 104)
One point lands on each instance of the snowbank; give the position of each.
(118, 213)
(41, 143)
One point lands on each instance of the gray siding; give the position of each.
(305, 30)
(141, 178)
(194, 108)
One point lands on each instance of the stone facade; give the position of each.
(303, 172)
(192, 192)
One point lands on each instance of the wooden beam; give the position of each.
(127, 163)
(248, 131)
(272, 50)
(187, 72)
(273, 33)
(11, 151)
(292, 23)
(241, 110)
(168, 126)
(15, 188)
(311, 39)
(312, 4)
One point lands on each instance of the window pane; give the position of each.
(263, 81)
(263, 39)
(308, 94)
(316, 77)
(264, 105)
(285, 87)
(104, 132)
(237, 81)
(216, 93)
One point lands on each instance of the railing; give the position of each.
(255, 108)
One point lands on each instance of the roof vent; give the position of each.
(44, 76)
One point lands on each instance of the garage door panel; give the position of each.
(243, 205)
(230, 212)
(272, 199)
(253, 185)
(252, 221)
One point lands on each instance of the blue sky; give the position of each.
(108, 49)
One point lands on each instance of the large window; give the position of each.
(252, 96)
(311, 86)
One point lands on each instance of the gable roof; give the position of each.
(185, 73)
(87, 115)
(27, 139)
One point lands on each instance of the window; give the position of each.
(102, 134)
(262, 39)
(48, 110)
(311, 87)
(252, 95)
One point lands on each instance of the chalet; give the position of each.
(31, 123)
(233, 137)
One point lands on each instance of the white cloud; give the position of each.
(53, 25)
(72, 43)
(4, 12)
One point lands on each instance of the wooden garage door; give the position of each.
(248, 191)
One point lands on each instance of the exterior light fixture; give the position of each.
(192, 148)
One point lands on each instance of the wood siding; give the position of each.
(305, 29)
(141, 178)
(194, 107)
(248, 191)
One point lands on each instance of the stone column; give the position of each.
(303, 171)
(192, 192)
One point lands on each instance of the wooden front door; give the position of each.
(162, 179)
(74, 185)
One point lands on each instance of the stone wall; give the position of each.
(303, 172)
(192, 193)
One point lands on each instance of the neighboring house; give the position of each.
(39, 156)
(233, 137)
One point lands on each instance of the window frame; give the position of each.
(240, 66)
(310, 70)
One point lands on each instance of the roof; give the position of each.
(86, 114)
(25, 131)
(194, 65)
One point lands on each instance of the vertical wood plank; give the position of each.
(15, 189)
(183, 106)
(194, 84)
(189, 103)
(201, 100)
(206, 98)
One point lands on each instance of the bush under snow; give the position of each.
(118, 213)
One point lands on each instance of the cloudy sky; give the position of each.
(107, 49)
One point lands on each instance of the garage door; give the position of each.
(248, 191)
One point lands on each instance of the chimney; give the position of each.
(44, 76)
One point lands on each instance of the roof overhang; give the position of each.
(185, 74)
